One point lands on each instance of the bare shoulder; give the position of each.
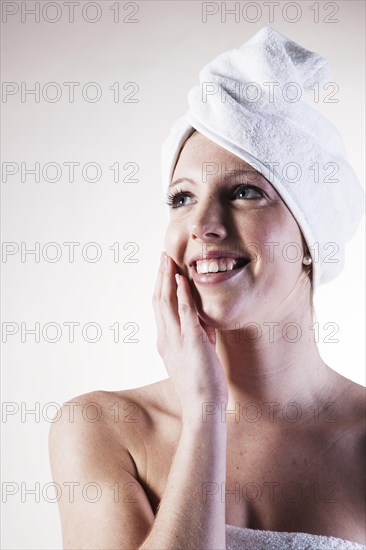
(356, 397)
(341, 425)
(347, 410)
(346, 434)
(351, 446)
(351, 404)
(113, 419)
(98, 440)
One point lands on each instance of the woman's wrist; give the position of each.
(209, 415)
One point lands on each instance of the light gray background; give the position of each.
(163, 53)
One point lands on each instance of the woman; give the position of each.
(252, 441)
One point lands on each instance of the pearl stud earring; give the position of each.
(307, 260)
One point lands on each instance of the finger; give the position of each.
(210, 331)
(169, 300)
(189, 320)
(159, 279)
(156, 299)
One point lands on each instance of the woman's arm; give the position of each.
(103, 505)
(191, 513)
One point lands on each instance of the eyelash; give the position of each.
(171, 199)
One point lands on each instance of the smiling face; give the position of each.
(212, 211)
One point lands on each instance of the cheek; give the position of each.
(278, 247)
(290, 248)
(278, 237)
(174, 241)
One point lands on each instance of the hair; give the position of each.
(309, 272)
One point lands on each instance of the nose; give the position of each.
(209, 222)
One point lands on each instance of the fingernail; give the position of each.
(161, 257)
(177, 278)
(165, 261)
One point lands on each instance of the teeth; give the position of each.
(213, 266)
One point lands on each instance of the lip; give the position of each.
(216, 278)
(214, 254)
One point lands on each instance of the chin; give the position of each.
(219, 317)
(229, 313)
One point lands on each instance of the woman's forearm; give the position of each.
(191, 513)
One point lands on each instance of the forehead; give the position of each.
(198, 148)
(203, 160)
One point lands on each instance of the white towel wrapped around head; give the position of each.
(253, 102)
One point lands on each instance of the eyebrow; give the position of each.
(230, 174)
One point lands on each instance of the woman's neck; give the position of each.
(274, 367)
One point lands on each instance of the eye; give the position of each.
(175, 197)
(246, 189)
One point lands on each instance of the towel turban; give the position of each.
(251, 102)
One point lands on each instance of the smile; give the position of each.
(218, 270)
(219, 265)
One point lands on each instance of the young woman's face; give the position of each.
(212, 214)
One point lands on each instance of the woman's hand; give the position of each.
(188, 351)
